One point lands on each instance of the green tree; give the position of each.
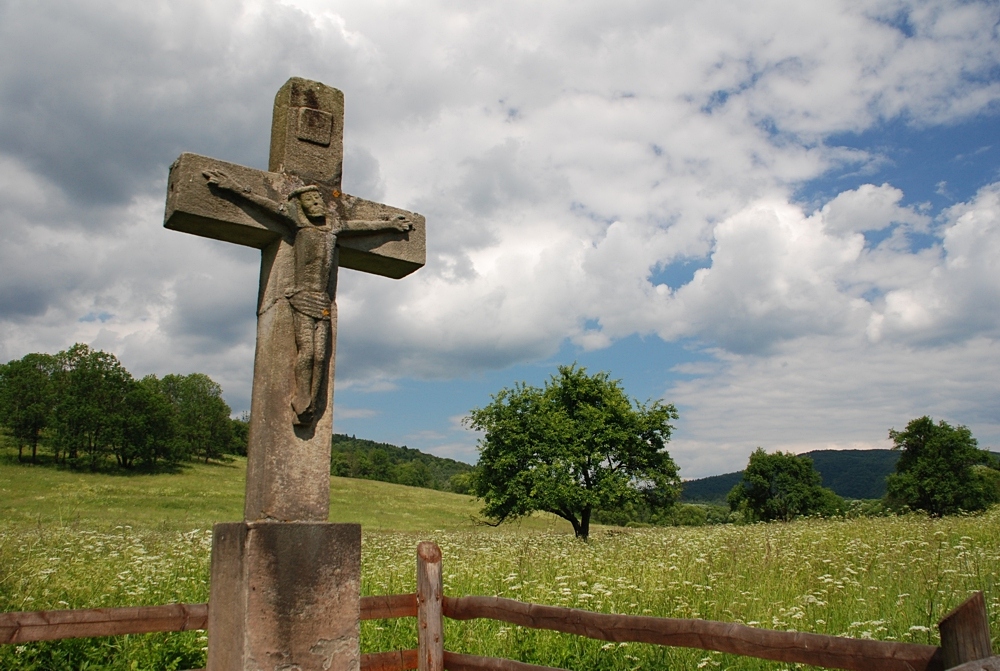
(781, 486)
(572, 447)
(936, 471)
(204, 427)
(340, 465)
(462, 483)
(413, 474)
(27, 396)
(241, 434)
(149, 426)
(91, 387)
(377, 466)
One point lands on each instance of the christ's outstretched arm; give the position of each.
(224, 182)
(399, 224)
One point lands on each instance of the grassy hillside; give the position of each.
(712, 489)
(201, 495)
(360, 458)
(855, 474)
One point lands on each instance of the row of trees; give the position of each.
(86, 409)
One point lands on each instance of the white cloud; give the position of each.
(959, 296)
(870, 208)
(774, 276)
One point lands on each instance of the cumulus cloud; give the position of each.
(870, 208)
(959, 295)
(563, 153)
(819, 392)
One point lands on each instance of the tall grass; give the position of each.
(55, 567)
(886, 578)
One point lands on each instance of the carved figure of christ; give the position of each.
(314, 230)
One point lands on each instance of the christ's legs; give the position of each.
(320, 341)
(304, 363)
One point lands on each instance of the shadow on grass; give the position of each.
(83, 465)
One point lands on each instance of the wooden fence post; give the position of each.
(430, 625)
(965, 633)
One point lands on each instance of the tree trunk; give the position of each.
(581, 527)
(20, 450)
(572, 520)
(585, 524)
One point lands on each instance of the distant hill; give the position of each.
(712, 489)
(853, 474)
(353, 457)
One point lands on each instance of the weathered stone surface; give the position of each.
(285, 596)
(288, 466)
(307, 132)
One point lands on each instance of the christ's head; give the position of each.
(311, 201)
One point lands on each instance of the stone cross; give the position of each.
(305, 228)
(285, 585)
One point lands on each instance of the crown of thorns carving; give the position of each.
(303, 189)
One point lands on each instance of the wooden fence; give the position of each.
(965, 632)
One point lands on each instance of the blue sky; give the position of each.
(940, 165)
(784, 218)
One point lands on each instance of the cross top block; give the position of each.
(307, 132)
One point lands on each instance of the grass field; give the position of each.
(885, 578)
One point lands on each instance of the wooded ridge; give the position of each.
(853, 474)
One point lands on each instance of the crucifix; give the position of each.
(305, 228)
(284, 583)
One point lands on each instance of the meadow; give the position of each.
(887, 578)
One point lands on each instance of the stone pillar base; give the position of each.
(284, 596)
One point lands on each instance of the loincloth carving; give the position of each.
(315, 304)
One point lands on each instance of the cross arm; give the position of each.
(194, 207)
(379, 243)
(223, 182)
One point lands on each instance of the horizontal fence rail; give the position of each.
(388, 607)
(50, 625)
(454, 661)
(397, 660)
(783, 646)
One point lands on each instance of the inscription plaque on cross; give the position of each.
(285, 585)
